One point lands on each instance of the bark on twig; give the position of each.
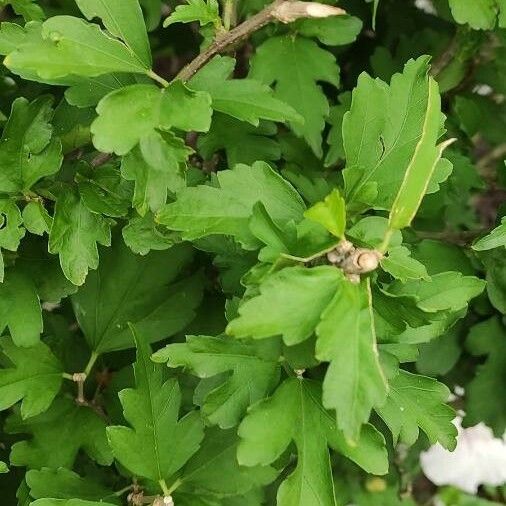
(285, 11)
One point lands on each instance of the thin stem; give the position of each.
(285, 11)
(386, 241)
(122, 491)
(157, 78)
(164, 487)
(174, 486)
(229, 14)
(68, 376)
(91, 363)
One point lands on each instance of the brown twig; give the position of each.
(285, 11)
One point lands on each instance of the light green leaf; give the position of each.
(214, 468)
(419, 402)
(68, 502)
(331, 213)
(145, 108)
(444, 291)
(158, 444)
(68, 46)
(20, 308)
(74, 235)
(402, 266)
(354, 382)
(64, 484)
(332, 31)
(388, 131)
(142, 235)
(157, 165)
(295, 65)
(35, 218)
(205, 12)
(27, 151)
(305, 294)
(141, 290)
(245, 99)
(35, 378)
(123, 19)
(478, 14)
(3, 467)
(227, 208)
(254, 371)
(495, 239)
(11, 231)
(27, 8)
(58, 436)
(294, 413)
(487, 338)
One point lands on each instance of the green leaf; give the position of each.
(402, 266)
(157, 166)
(123, 19)
(145, 108)
(11, 231)
(242, 142)
(74, 235)
(142, 235)
(58, 436)
(3, 467)
(205, 12)
(64, 484)
(254, 371)
(35, 378)
(495, 239)
(68, 46)
(295, 413)
(295, 64)
(419, 402)
(444, 291)
(20, 308)
(388, 132)
(487, 339)
(68, 502)
(332, 31)
(245, 99)
(104, 191)
(305, 294)
(36, 219)
(27, 150)
(331, 213)
(354, 382)
(136, 289)
(227, 207)
(479, 14)
(158, 444)
(214, 468)
(26, 8)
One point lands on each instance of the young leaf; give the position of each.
(158, 444)
(58, 436)
(140, 290)
(74, 235)
(20, 308)
(36, 219)
(245, 99)
(157, 167)
(254, 373)
(68, 502)
(419, 402)
(205, 12)
(495, 239)
(331, 213)
(227, 208)
(27, 151)
(487, 338)
(35, 378)
(295, 64)
(295, 413)
(479, 14)
(305, 294)
(123, 19)
(354, 382)
(402, 266)
(66, 46)
(145, 108)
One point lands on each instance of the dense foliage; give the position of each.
(254, 276)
